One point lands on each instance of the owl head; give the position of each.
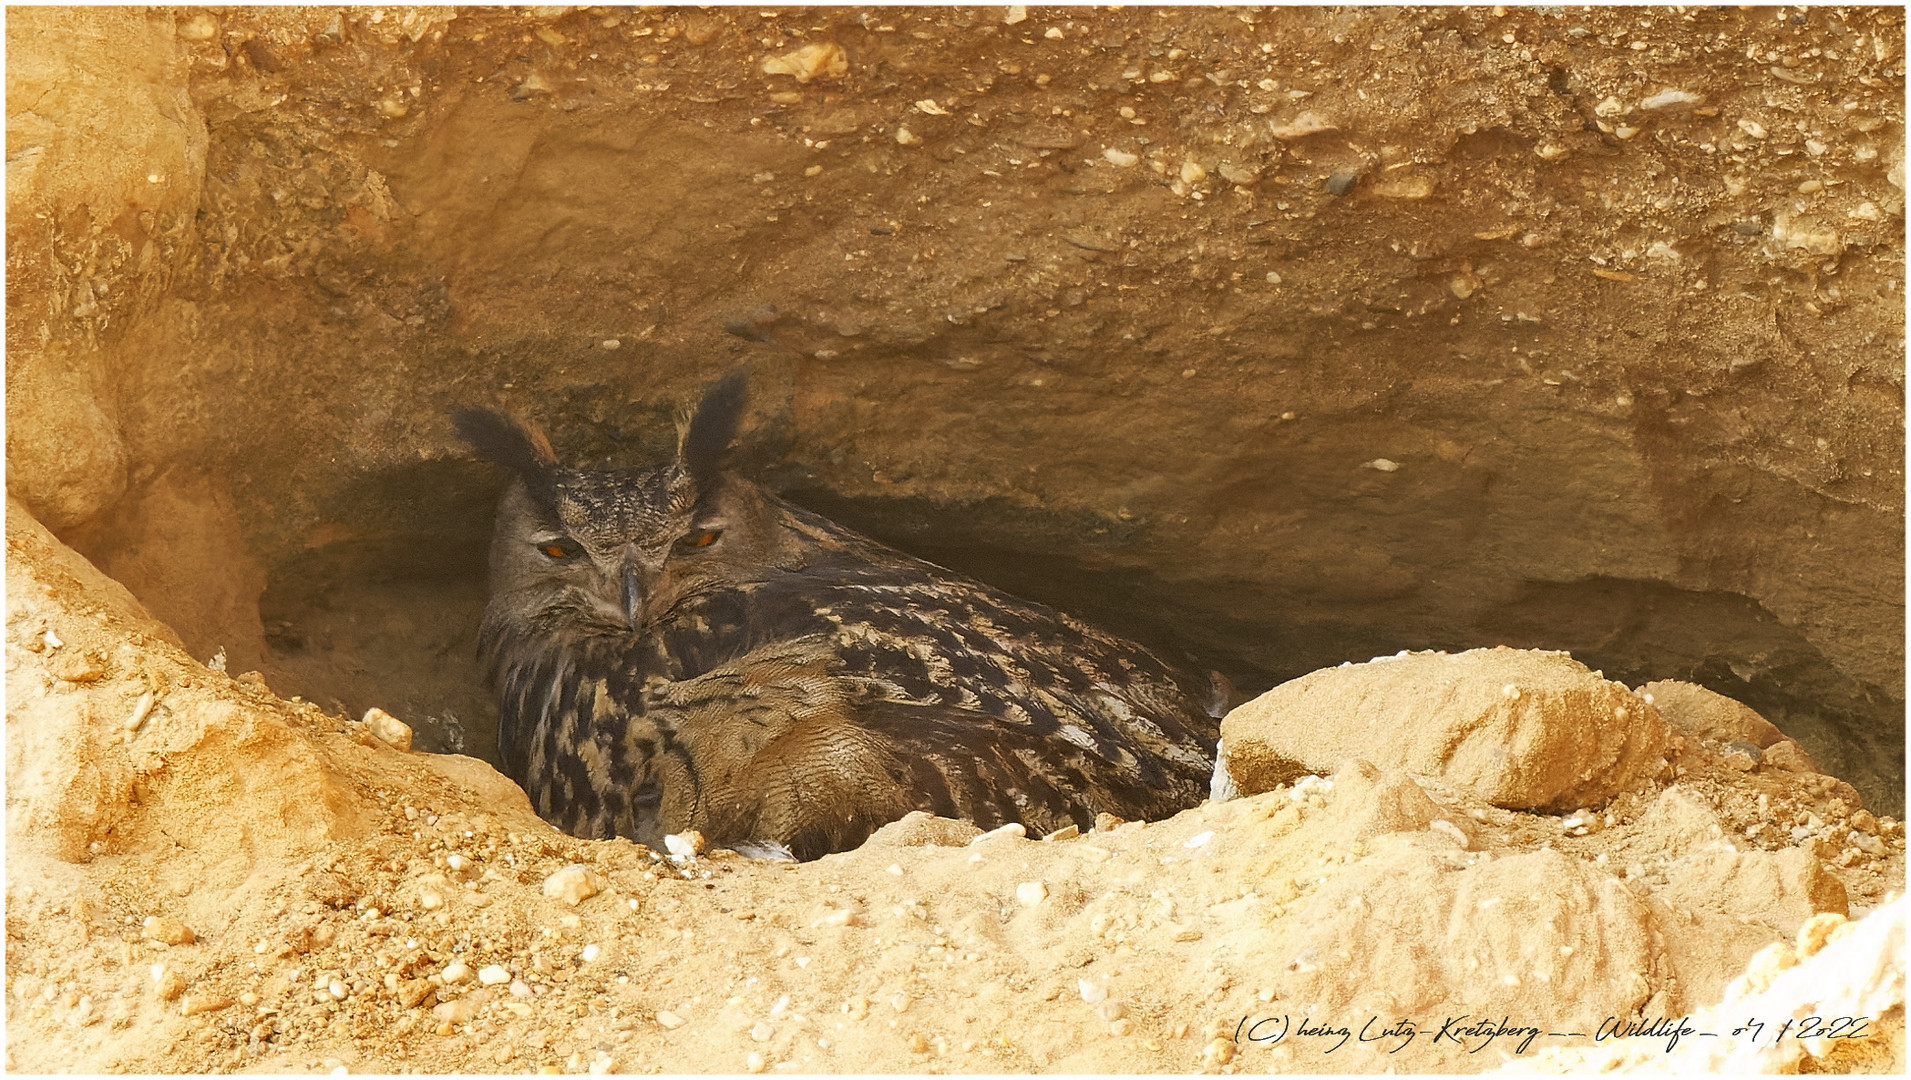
(610, 551)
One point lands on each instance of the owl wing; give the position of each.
(962, 764)
(943, 640)
(786, 747)
(957, 698)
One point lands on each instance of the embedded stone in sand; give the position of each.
(389, 730)
(574, 884)
(1706, 714)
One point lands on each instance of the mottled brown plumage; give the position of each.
(675, 648)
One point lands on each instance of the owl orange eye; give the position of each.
(702, 539)
(559, 549)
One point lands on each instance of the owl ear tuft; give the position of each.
(702, 443)
(517, 446)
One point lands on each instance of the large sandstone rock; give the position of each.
(1524, 730)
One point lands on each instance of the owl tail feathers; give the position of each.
(763, 849)
(702, 441)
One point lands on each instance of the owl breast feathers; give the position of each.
(676, 648)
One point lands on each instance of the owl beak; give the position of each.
(633, 593)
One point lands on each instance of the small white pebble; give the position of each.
(669, 1020)
(762, 1032)
(1450, 830)
(1093, 993)
(388, 729)
(493, 975)
(1668, 99)
(1121, 158)
(754, 1063)
(590, 953)
(456, 972)
(1381, 464)
(141, 710)
(1199, 839)
(611, 343)
(337, 989)
(684, 845)
(1031, 893)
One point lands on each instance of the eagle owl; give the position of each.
(676, 648)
